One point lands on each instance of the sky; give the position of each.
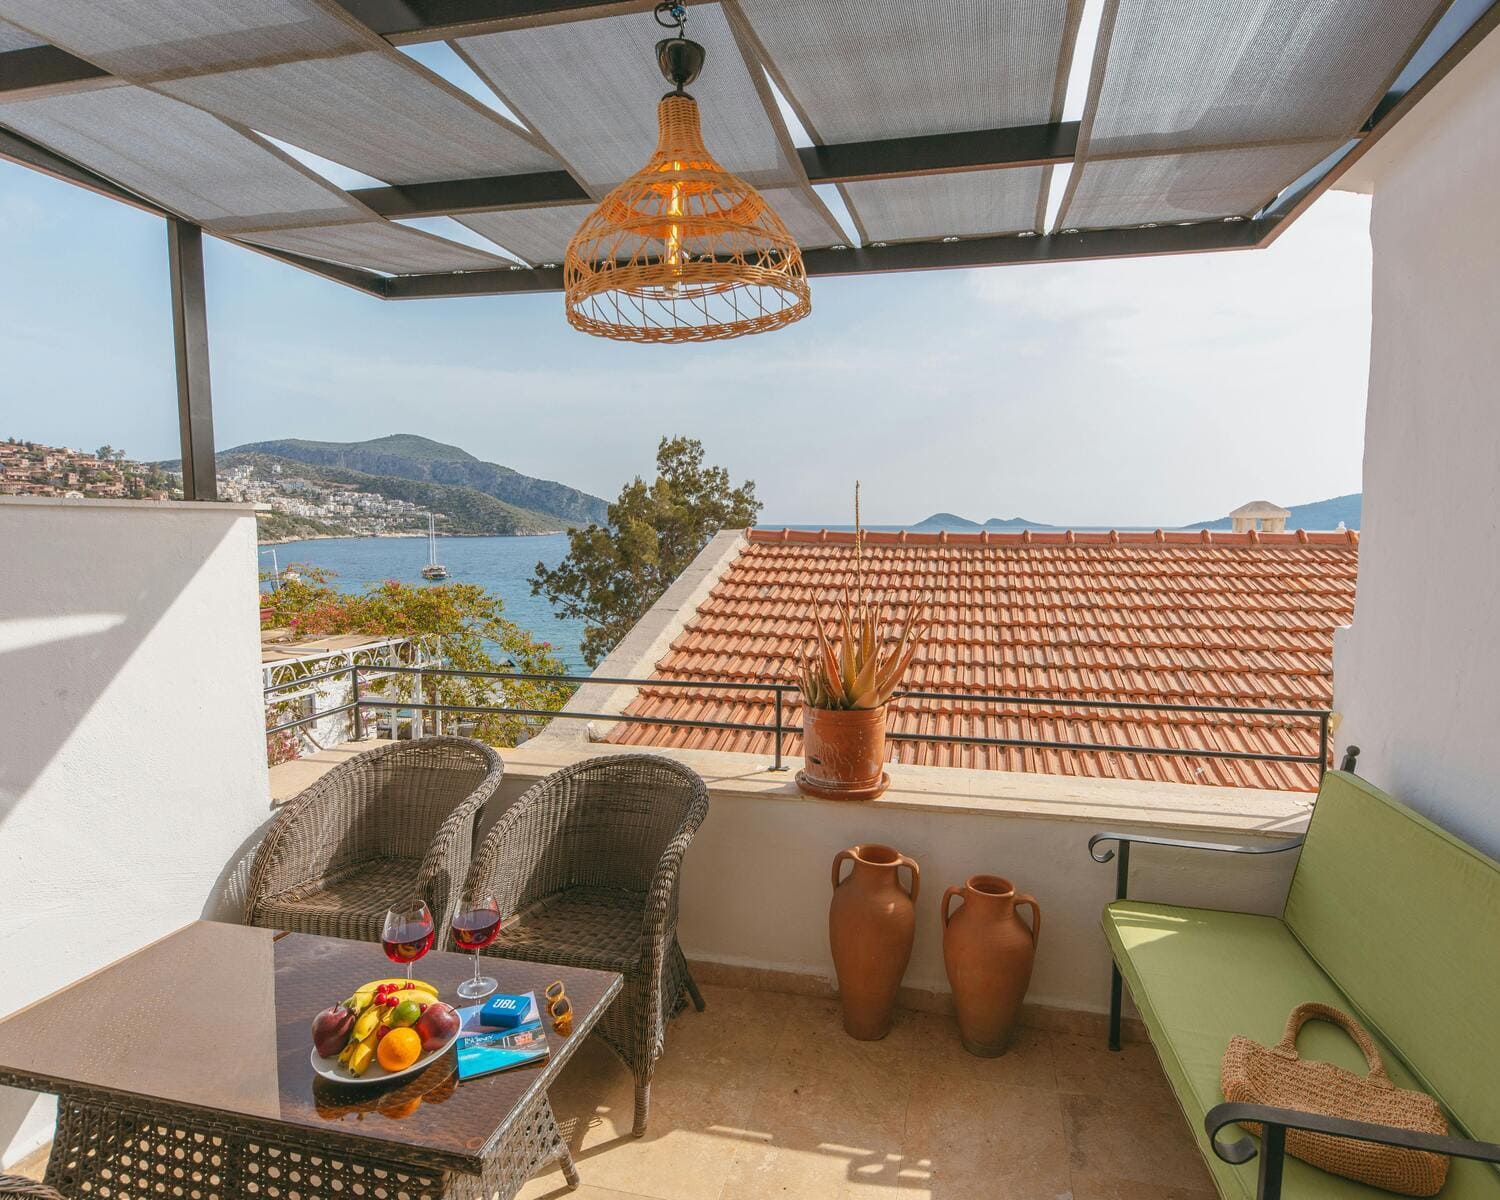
(1157, 391)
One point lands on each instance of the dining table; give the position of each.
(185, 1069)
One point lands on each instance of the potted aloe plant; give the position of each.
(847, 681)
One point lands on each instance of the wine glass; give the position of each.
(476, 922)
(408, 933)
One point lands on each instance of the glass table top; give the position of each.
(219, 1017)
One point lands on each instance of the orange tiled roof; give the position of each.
(1241, 619)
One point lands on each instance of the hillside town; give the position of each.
(32, 469)
(360, 513)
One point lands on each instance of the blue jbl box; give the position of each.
(504, 1012)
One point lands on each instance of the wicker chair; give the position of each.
(17, 1187)
(395, 822)
(587, 863)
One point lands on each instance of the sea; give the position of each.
(502, 566)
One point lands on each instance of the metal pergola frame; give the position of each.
(40, 69)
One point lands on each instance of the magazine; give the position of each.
(483, 1050)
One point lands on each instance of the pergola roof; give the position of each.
(1207, 124)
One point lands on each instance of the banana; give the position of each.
(365, 995)
(365, 1026)
(420, 995)
(362, 1055)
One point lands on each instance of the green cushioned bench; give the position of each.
(1388, 917)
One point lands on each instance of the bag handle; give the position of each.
(1312, 1010)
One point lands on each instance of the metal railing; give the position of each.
(779, 729)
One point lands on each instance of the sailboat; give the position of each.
(433, 569)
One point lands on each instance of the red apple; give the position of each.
(330, 1030)
(436, 1026)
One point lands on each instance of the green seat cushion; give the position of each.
(1406, 918)
(1198, 977)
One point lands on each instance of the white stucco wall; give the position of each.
(1416, 675)
(133, 773)
(756, 883)
(756, 887)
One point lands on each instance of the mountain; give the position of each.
(1320, 514)
(463, 510)
(408, 456)
(943, 521)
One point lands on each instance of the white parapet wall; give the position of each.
(133, 777)
(757, 881)
(1416, 674)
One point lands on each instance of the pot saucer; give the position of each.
(827, 791)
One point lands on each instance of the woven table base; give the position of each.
(111, 1151)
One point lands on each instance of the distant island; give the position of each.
(387, 485)
(1320, 514)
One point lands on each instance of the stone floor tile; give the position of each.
(938, 1051)
(1135, 1141)
(555, 1187)
(813, 1046)
(821, 1135)
(1088, 1066)
(959, 1132)
(695, 1128)
(1107, 1187)
(1020, 1180)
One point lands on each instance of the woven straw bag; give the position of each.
(1256, 1074)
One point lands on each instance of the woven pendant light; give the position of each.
(683, 250)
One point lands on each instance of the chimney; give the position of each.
(1261, 515)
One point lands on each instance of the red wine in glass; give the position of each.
(475, 930)
(476, 923)
(408, 934)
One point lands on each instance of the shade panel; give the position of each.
(804, 216)
(1202, 186)
(562, 79)
(296, 70)
(971, 204)
(379, 246)
(149, 39)
(185, 159)
(12, 38)
(1186, 73)
(859, 70)
(369, 112)
(538, 235)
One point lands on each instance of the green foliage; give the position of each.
(613, 574)
(287, 527)
(466, 621)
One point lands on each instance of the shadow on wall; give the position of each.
(124, 654)
(67, 629)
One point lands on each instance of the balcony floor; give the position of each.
(763, 1095)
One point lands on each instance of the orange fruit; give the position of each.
(399, 1049)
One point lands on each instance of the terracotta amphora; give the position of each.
(844, 751)
(988, 950)
(871, 920)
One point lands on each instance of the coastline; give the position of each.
(328, 537)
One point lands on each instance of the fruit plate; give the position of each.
(335, 1072)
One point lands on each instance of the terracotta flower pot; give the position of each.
(845, 753)
(871, 920)
(989, 952)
